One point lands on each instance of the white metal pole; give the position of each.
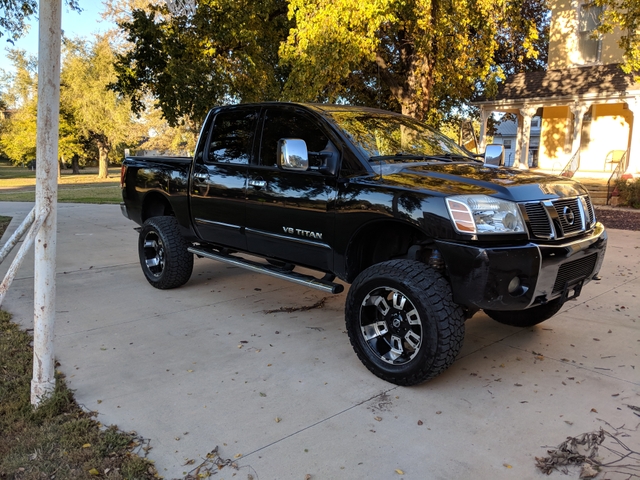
(43, 381)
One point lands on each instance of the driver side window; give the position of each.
(281, 123)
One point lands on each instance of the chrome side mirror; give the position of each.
(494, 155)
(293, 154)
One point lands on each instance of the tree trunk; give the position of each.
(103, 160)
(75, 164)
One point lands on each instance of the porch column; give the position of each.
(519, 134)
(485, 112)
(526, 114)
(578, 110)
(634, 145)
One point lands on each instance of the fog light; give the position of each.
(514, 285)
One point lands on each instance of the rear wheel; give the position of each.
(402, 321)
(164, 258)
(529, 317)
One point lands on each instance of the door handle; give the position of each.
(257, 183)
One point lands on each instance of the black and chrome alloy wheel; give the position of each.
(391, 325)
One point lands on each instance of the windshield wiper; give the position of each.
(401, 156)
(444, 157)
(459, 156)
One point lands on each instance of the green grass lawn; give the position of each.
(4, 223)
(90, 193)
(17, 184)
(58, 439)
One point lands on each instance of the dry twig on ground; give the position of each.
(318, 304)
(584, 450)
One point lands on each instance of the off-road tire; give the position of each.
(529, 317)
(427, 326)
(164, 258)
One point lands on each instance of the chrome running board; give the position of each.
(299, 278)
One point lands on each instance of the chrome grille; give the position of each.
(538, 220)
(557, 219)
(591, 213)
(569, 215)
(574, 271)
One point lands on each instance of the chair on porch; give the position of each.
(613, 158)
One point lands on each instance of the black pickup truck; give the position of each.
(425, 232)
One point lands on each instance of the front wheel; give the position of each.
(402, 321)
(529, 317)
(164, 258)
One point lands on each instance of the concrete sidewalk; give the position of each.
(204, 366)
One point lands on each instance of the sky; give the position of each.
(74, 24)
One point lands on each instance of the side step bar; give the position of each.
(299, 278)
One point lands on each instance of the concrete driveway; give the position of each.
(204, 366)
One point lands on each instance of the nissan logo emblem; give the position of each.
(569, 216)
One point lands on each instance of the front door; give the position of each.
(290, 214)
(220, 176)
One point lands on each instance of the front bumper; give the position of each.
(480, 276)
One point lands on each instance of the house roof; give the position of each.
(595, 79)
(507, 127)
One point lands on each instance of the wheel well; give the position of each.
(382, 241)
(155, 205)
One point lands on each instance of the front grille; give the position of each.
(569, 215)
(538, 220)
(574, 271)
(557, 219)
(591, 213)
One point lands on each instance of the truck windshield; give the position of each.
(384, 137)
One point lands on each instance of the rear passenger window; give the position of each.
(232, 136)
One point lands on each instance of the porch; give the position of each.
(587, 116)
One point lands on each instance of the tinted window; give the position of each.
(281, 123)
(379, 134)
(232, 136)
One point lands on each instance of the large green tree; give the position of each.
(226, 52)
(18, 135)
(430, 55)
(92, 117)
(103, 117)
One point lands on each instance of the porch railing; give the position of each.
(572, 165)
(616, 175)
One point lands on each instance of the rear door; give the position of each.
(220, 175)
(290, 214)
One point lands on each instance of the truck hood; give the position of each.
(470, 178)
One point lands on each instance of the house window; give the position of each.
(507, 144)
(535, 122)
(588, 22)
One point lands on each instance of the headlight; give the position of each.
(484, 215)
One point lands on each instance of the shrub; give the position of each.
(629, 191)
